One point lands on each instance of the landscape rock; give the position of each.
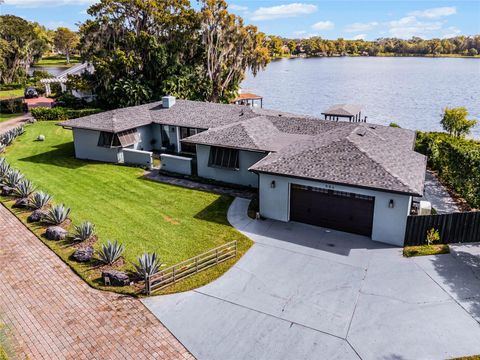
(115, 278)
(37, 215)
(83, 254)
(56, 233)
(21, 203)
(7, 191)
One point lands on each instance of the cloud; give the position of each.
(434, 13)
(450, 32)
(283, 11)
(237, 7)
(361, 27)
(323, 25)
(410, 26)
(359, 37)
(48, 3)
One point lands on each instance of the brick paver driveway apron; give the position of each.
(53, 314)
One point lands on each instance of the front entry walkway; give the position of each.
(53, 314)
(304, 292)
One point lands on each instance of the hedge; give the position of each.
(457, 161)
(11, 106)
(60, 113)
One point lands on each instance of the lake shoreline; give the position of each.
(452, 56)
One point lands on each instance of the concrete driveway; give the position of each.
(303, 292)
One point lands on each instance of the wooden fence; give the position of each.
(190, 267)
(453, 228)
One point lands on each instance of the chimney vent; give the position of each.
(168, 101)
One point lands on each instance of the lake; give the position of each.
(407, 90)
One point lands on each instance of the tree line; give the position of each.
(316, 46)
(142, 50)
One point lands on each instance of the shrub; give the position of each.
(457, 161)
(433, 236)
(84, 231)
(148, 264)
(24, 188)
(61, 113)
(39, 200)
(45, 114)
(11, 106)
(111, 252)
(394, 125)
(57, 214)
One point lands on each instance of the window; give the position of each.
(128, 137)
(223, 158)
(108, 139)
(121, 139)
(186, 132)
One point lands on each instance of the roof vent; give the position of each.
(168, 101)
(372, 127)
(361, 131)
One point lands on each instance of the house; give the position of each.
(354, 177)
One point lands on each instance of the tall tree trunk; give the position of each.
(68, 56)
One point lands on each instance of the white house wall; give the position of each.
(146, 136)
(240, 177)
(388, 223)
(86, 147)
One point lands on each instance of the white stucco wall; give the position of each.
(240, 177)
(137, 157)
(86, 147)
(388, 223)
(176, 164)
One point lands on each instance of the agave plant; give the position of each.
(111, 252)
(148, 264)
(84, 231)
(4, 169)
(24, 188)
(57, 214)
(12, 178)
(39, 200)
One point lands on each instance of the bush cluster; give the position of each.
(11, 106)
(61, 113)
(457, 160)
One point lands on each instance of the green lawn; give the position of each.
(146, 216)
(5, 117)
(57, 61)
(11, 93)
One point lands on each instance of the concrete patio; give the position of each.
(303, 292)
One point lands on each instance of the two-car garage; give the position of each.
(339, 210)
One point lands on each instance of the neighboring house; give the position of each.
(354, 177)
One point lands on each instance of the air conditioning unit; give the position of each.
(425, 208)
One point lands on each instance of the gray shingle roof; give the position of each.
(343, 110)
(380, 158)
(186, 113)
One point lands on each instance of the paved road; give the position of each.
(303, 292)
(53, 314)
(13, 123)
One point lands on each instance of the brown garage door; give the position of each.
(332, 209)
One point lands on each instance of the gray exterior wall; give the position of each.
(240, 177)
(146, 136)
(86, 147)
(176, 164)
(388, 223)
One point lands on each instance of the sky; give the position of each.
(301, 19)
